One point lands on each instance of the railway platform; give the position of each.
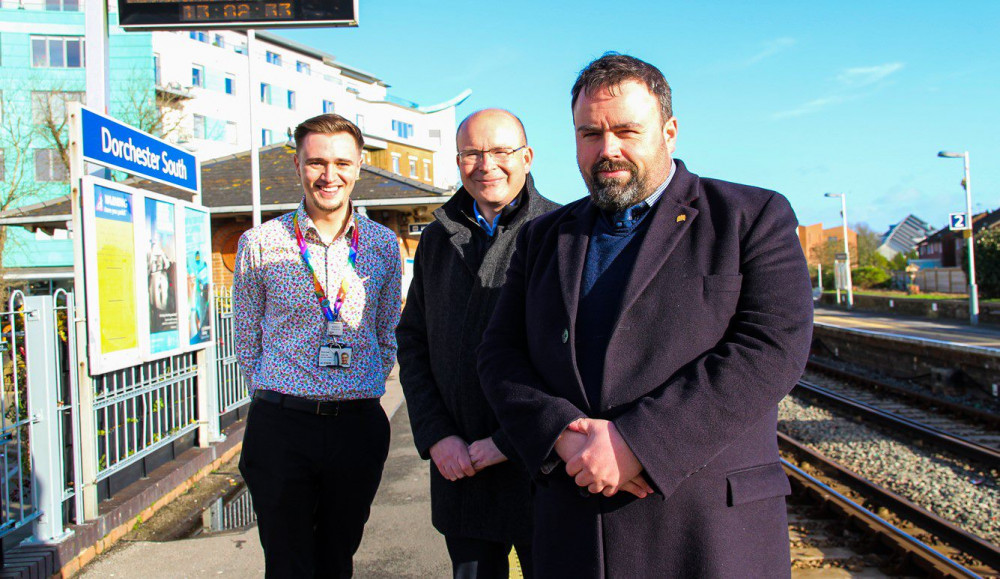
(930, 330)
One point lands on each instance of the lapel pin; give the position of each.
(681, 217)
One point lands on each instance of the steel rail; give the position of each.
(984, 416)
(963, 447)
(949, 533)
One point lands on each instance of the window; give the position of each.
(219, 41)
(156, 69)
(265, 93)
(57, 52)
(395, 163)
(404, 130)
(50, 107)
(329, 107)
(63, 5)
(198, 75)
(303, 67)
(230, 86)
(199, 127)
(49, 165)
(265, 137)
(273, 58)
(200, 36)
(232, 133)
(413, 168)
(359, 120)
(291, 100)
(427, 170)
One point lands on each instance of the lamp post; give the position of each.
(847, 250)
(973, 288)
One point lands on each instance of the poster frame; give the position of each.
(100, 362)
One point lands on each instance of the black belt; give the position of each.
(321, 407)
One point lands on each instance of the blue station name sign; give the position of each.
(118, 146)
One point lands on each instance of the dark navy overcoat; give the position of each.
(714, 330)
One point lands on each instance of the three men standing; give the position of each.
(480, 496)
(316, 300)
(638, 352)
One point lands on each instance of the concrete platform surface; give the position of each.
(983, 336)
(399, 540)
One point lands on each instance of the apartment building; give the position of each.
(206, 76)
(193, 89)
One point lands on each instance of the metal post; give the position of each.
(847, 250)
(43, 393)
(85, 395)
(971, 242)
(819, 276)
(253, 95)
(96, 54)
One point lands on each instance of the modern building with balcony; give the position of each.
(190, 88)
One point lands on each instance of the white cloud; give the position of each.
(868, 75)
(810, 107)
(771, 48)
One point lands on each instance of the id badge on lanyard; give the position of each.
(333, 352)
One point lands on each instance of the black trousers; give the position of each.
(312, 480)
(481, 559)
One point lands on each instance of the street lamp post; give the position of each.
(847, 250)
(973, 288)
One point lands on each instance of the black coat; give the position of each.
(457, 275)
(714, 330)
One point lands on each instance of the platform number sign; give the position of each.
(958, 221)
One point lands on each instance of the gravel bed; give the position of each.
(945, 485)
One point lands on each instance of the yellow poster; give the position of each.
(114, 233)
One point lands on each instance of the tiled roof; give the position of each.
(225, 183)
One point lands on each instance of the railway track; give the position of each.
(935, 534)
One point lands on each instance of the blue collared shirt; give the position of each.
(631, 216)
(488, 227)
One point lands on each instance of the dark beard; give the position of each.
(612, 195)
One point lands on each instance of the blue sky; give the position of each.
(800, 97)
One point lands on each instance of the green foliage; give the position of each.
(899, 262)
(988, 262)
(868, 242)
(869, 276)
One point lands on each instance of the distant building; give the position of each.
(814, 238)
(904, 236)
(191, 88)
(946, 248)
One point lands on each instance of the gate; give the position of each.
(39, 457)
(230, 385)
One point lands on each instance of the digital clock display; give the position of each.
(234, 14)
(229, 11)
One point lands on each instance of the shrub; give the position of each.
(869, 276)
(988, 262)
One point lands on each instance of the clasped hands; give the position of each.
(455, 459)
(599, 460)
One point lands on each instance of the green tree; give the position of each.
(988, 262)
(868, 242)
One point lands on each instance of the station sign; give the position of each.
(118, 146)
(840, 257)
(194, 15)
(958, 221)
(417, 228)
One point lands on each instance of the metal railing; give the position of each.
(58, 441)
(143, 408)
(19, 507)
(231, 386)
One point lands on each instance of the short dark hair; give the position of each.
(612, 69)
(328, 124)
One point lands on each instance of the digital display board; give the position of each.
(230, 14)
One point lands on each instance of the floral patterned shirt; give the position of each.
(279, 323)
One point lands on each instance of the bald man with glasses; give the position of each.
(480, 491)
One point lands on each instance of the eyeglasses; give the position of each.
(499, 154)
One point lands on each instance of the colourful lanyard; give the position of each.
(331, 315)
